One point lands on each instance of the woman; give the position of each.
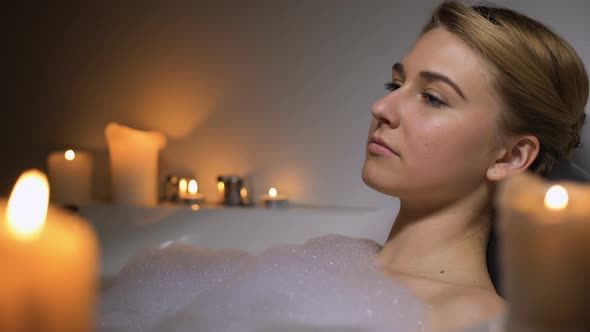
(483, 94)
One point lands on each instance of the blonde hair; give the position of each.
(540, 77)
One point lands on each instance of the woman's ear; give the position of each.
(517, 156)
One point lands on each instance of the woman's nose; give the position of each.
(385, 110)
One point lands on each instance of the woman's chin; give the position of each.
(374, 178)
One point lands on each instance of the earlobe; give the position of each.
(496, 172)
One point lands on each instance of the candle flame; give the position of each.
(70, 155)
(556, 198)
(195, 207)
(28, 204)
(244, 193)
(182, 185)
(272, 192)
(220, 186)
(193, 187)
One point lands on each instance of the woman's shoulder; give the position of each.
(460, 307)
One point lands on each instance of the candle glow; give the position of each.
(193, 187)
(28, 203)
(220, 191)
(70, 155)
(556, 198)
(189, 192)
(274, 200)
(182, 185)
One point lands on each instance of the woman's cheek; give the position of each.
(428, 139)
(439, 146)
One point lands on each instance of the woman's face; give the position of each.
(439, 118)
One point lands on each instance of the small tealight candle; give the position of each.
(188, 191)
(545, 243)
(274, 200)
(70, 176)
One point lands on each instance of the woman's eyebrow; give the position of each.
(431, 76)
(399, 68)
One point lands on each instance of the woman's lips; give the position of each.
(378, 149)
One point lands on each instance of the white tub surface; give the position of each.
(125, 230)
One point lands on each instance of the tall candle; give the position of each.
(134, 164)
(545, 241)
(49, 263)
(70, 176)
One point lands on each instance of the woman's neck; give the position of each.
(445, 244)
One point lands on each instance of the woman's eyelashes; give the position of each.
(391, 86)
(428, 98)
(433, 101)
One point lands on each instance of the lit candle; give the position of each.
(189, 192)
(244, 196)
(545, 239)
(220, 191)
(182, 186)
(273, 199)
(70, 176)
(49, 262)
(231, 191)
(134, 164)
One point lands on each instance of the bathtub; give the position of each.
(124, 230)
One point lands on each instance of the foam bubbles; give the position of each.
(331, 283)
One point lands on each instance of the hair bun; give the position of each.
(576, 139)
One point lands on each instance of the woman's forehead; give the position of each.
(442, 52)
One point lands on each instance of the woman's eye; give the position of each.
(428, 98)
(391, 86)
(433, 101)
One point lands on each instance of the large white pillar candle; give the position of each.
(134, 164)
(49, 257)
(545, 241)
(70, 176)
